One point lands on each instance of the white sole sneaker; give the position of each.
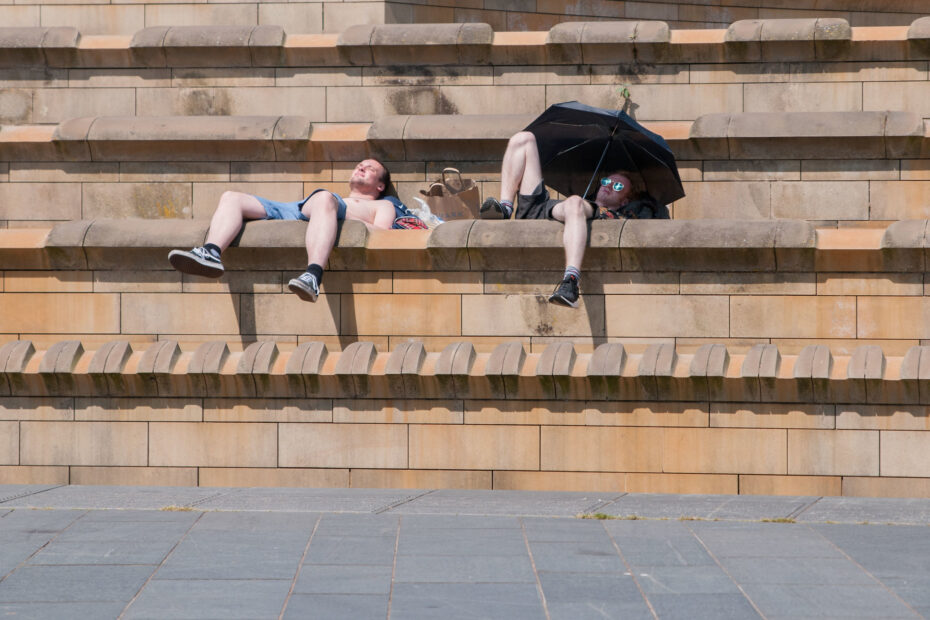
(190, 263)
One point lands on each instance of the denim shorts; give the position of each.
(276, 210)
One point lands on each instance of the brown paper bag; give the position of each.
(452, 197)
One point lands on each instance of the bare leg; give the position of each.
(574, 212)
(521, 168)
(321, 231)
(232, 210)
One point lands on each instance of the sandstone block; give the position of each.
(403, 315)
(132, 410)
(885, 487)
(41, 201)
(474, 447)
(658, 414)
(83, 443)
(343, 445)
(136, 476)
(681, 483)
(556, 481)
(176, 313)
(744, 451)
(658, 102)
(271, 477)
(899, 200)
(725, 200)
(601, 449)
(772, 415)
(137, 200)
(13, 474)
(44, 409)
(521, 314)
(209, 444)
(93, 19)
(793, 317)
(202, 15)
(882, 417)
(903, 453)
(891, 317)
(61, 313)
(791, 485)
(420, 479)
(836, 452)
(668, 316)
(304, 17)
(9, 443)
(821, 200)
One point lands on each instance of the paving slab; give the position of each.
(452, 601)
(579, 557)
(767, 540)
(358, 524)
(62, 611)
(114, 498)
(482, 569)
(703, 607)
(684, 580)
(899, 511)
(302, 606)
(13, 491)
(378, 550)
(204, 598)
(49, 584)
(44, 524)
(527, 503)
(235, 555)
(96, 553)
(460, 542)
(728, 507)
(847, 601)
(344, 579)
(310, 500)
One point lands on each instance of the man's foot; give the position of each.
(492, 209)
(566, 293)
(305, 286)
(197, 262)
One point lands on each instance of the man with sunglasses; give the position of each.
(521, 174)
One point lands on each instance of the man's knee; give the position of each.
(523, 139)
(321, 203)
(575, 208)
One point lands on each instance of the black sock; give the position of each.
(317, 271)
(213, 249)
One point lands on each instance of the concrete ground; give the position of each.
(152, 552)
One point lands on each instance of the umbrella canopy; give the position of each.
(578, 142)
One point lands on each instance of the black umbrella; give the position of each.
(577, 142)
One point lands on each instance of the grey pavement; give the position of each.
(155, 552)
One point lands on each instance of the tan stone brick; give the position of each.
(319, 76)
(804, 97)
(271, 477)
(144, 200)
(402, 315)
(420, 479)
(287, 314)
(250, 282)
(790, 485)
(137, 281)
(343, 445)
(53, 105)
(359, 282)
(903, 284)
(682, 483)
(20, 16)
(595, 282)
(136, 476)
(59, 313)
(33, 475)
(250, 171)
(823, 200)
(904, 453)
(884, 487)
(570, 448)
(725, 450)
(97, 19)
(833, 452)
(9, 443)
(793, 317)
(910, 96)
(915, 169)
(781, 283)
(200, 15)
(899, 200)
(451, 75)
(437, 282)
(849, 170)
(398, 412)
(338, 16)
(134, 410)
(83, 443)
(473, 447)
(668, 316)
(658, 102)
(522, 412)
(772, 415)
(650, 10)
(48, 281)
(893, 317)
(529, 314)
(627, 75)
(617, 413)
(560, 481)
(41, 201)
(36, 409)
(858, 71)
(168, 172)
(63, 172)
(303, 17)
(223, 101)
(720, 14)
(119, 78)
(839, 346)
(753, 170)
(179, 313)
(520, 75)
(191, 77)
(207, 195)
(209, 444)
(691, 170)
(883, 417)
(727, 199)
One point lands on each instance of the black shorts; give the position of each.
(538, 205)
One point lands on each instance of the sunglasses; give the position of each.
(617, 186)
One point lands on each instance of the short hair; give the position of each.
(385, 176)
(637, 183)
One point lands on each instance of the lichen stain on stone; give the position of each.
(204, 102)
(157, 202)
(535, 310)
(420, 100)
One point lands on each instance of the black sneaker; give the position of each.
(305, 286)
(197, 262)
(492, 209)
(566, 293)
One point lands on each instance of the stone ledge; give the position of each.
(467, 137)
(815, 39)
(660, 373)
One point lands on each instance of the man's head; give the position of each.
(615, 190)
(370, 177)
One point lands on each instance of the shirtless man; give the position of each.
(366, 202)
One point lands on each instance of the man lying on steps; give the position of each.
(366, 203)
